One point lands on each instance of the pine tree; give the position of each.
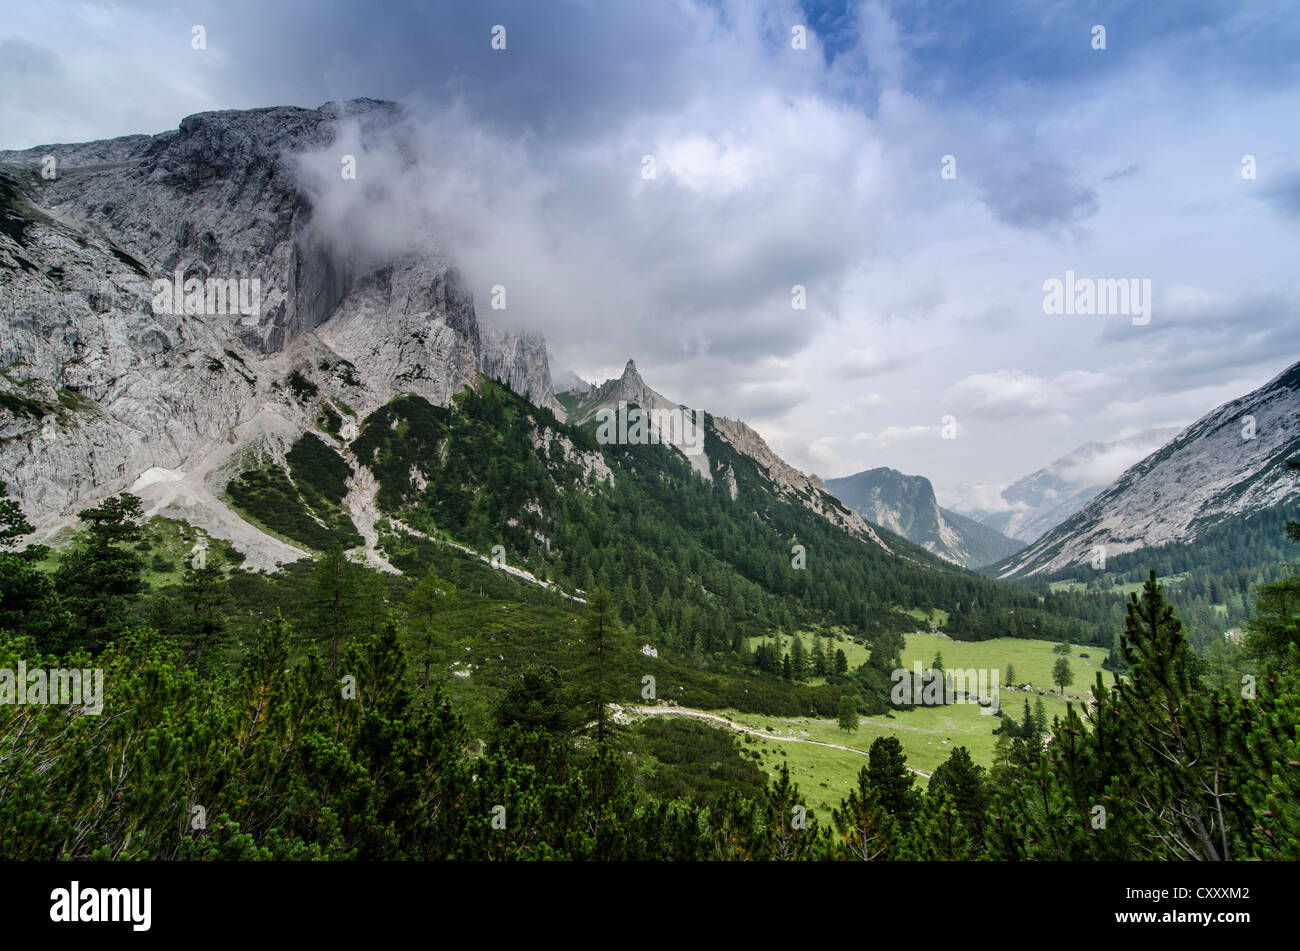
(334, 591)
(893, 782)
(28, 603)
(99, 579)
(602, 638)
(818, 657)
(205, 592)
(13, 524)
(864, 829)
(427, 602)
(1176, 742)
(791, 831)
(1028, 723)
(847, 715)
(1062, 676)
(965, 783)
(798, 661)
(939, 833)
(1274, 631)
(1040, 716)
(535, 702)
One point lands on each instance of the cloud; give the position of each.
(869, 361)
(862, 404)
(1104, 467)
(1038, 195)
(1284, 194)
(776, 167)
(893, 435)
(1005, 393)
(982, 497)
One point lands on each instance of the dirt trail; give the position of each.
(741, 728)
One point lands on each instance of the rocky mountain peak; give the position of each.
(107, 378)
(907, 505)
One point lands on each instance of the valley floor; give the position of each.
(825, 759)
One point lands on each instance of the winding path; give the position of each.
(658, 711)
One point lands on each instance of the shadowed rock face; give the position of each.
(100, 387)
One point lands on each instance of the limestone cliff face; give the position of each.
(907, 505)
(99, 383)
(520, 359)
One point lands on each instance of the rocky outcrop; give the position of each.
(907, 505)
(520, 360)
(630, 390)
(103, 379)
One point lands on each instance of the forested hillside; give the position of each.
(454, 709)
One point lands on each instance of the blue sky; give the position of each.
(777, 166)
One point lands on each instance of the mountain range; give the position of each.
(907, 505)
(179, 317)
(1226, 467)
(1035, 504)
(104, 390)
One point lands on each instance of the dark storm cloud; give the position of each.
(1038, 195)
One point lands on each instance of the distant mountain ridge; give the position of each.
(569, 381)
(907, 505)
(1038, 502)
(1229, 464)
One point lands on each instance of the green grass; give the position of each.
(1127, 588)
(824, 776)
(935, 618)
(1033, 659)
(928, 734)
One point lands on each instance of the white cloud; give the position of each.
(866, 361)
(862, 404)
(1014, 392)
